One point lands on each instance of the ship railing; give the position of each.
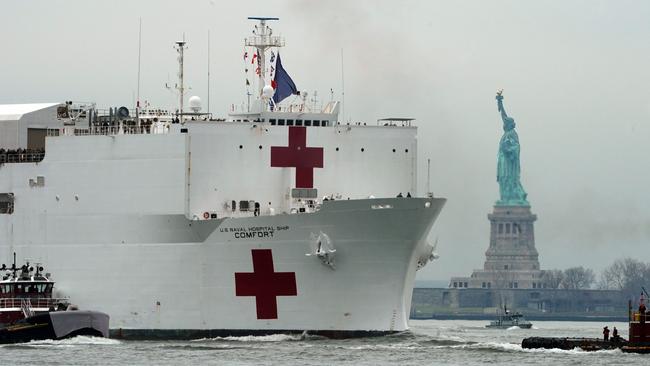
(286, 108)
(263, 212)
(21, 156)
(114, 130)
(396, 122)
(6, 303)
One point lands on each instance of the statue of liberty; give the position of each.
(508, 168)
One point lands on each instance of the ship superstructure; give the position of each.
(277, 219)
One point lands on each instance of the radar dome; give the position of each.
(268, 91)
(195, 104)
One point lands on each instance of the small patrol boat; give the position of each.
(508, 319)
(28, 311)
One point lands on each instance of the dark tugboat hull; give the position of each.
(636, 348)
(585, 344)
(56, 325)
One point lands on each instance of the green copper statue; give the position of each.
(508, 168)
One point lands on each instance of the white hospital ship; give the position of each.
(280, 218)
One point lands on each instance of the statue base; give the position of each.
(511, 260)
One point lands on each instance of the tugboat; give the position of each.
(507, 319)
(29, 312)
(638, 342)
(639, 328)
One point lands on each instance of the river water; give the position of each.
(430, 342)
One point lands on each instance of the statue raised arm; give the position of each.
(508, 168)
(500, 105)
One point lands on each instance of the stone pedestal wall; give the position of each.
(511, 260)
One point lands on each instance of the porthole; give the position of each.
(241, 146)
(406, 151)
(337, 149)
(393, 150)
(260, 147)
(362, 149)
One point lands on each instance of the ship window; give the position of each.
(362, 149)
(534, 285)
(507, 228)
(233, 204)
(307, 122)
(406, 151)
(243, 206)
(500, 228)
(505, 266)
(280, 122)
(298, 122)
(465, 284)
(6, 203)
(455, 284)
(516, 285)
(272, 121)
(489, 284)
(393, 150)
(483, 285)
(337, 149)
(289, 122)
(316, 123)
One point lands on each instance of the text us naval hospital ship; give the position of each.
(181, 225)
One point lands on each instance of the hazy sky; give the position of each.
(576, 76)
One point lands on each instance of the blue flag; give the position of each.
(282, 83)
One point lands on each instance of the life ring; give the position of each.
(206, 215)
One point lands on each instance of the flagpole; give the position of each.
(342, 89)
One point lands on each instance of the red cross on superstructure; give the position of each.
(298, 155)
(265, 284)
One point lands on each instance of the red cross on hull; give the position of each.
(299, 156)
(265, 284)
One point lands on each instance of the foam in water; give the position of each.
(75, 341)
(266, 338)
(375, 347)
(514, 347)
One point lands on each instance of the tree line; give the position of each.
(627, 275)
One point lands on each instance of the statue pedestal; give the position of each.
(512, 239)
(511, 260)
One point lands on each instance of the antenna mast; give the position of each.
(180, 48)
(263, 39)
(429, 193)
(208, 71)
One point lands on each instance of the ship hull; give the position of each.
(56, 325)
(161, 288)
